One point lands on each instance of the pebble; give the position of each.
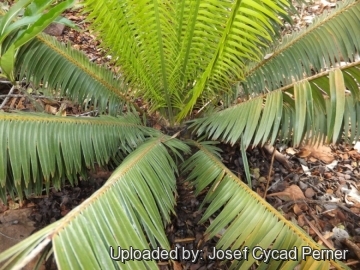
(340, 234)
(15, 222)
(302, 185)
(341, 180)
(309, 193)
(55, 29)
(296, 178)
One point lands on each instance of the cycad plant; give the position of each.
(179, 57)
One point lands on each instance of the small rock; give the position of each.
(329, 206)
(341, 180)
(340, 234)
(296, 178)
(262, 179)
(55, 29)
(302, 185)
(309, 193)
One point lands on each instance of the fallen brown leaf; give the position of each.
(322, 153)
(354, 154)
(290, 151)
(50, 109)
(157, 126)
(13, 205)
(304, 153)
(292, 192)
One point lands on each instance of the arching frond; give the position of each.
(45, 60)
(39, 147)
(233, 32)
(331, 38)
(315, 109)
(128, 211)
(244, 219)
(175, 50)
(145, 46)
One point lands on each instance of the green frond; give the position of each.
(175, 50)
(233, 32)
(243, 218)
(233, 123)
(128, 211)
(39, 147)
(312, 110)
(47, 61)
(145, 46)
(330, 38)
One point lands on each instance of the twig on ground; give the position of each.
(87, 113)
(348, 263)
(323, 239)
(33, 253)
(352, 246)
(7, 97)
(320, 202)
(278, 156)
(203, 107)
(5, 82)
(269, 174)
(8, 236)
(20, 96)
